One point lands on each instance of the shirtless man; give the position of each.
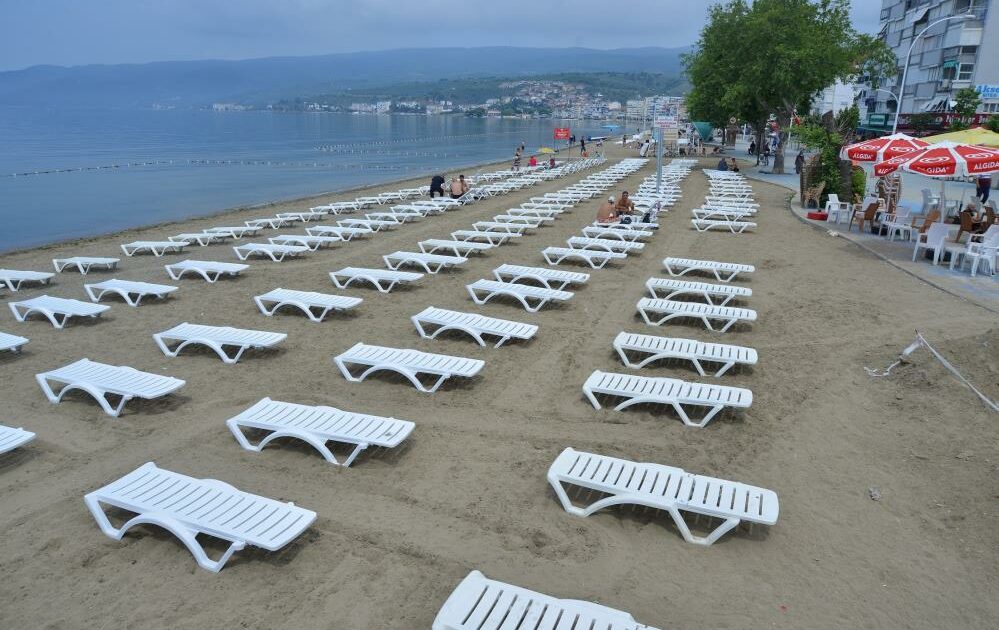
(607, 212)
(624, 205)
(457, 187)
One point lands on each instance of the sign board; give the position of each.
(878, 120)
(665, 122)
(988, 91)
(562, 133)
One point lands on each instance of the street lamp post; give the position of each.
(905, 70)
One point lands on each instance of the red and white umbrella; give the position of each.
(944, 159)
(883, 148)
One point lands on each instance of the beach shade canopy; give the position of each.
(704, 130)
(944, 159)
(883, 148)
(978, 135)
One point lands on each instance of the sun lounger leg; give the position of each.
(717, 533)
(592, 398)
(700, 424)
(723, 369)
(186, 536)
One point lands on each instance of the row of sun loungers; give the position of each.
(190, 507)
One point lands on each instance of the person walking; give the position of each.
(516, 160)
(982, 187)
(582, 145)
(799, 162)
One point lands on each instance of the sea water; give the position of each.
(73, 173)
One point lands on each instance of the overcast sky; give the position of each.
(77, 32)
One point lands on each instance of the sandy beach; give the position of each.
(399, 529)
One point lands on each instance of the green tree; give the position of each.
(772, 55)
(921, 122)
(967, 101)
(992, 124)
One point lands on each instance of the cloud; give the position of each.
(75, 32)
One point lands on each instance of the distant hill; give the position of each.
(258, 81)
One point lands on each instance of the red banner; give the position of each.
(562, 133)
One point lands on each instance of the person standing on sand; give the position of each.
(607, 212)
(457, 187)
(582, 146)
(516, 160)
(437, 185)
(464, 184)
(532, 162)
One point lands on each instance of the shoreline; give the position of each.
(236, 209)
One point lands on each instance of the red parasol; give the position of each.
(944, 159)
(883, 148)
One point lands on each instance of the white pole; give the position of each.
(905, 69)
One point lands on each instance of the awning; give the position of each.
(920, 15)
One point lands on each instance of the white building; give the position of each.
(835, 98)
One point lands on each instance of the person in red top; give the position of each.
(533, 161)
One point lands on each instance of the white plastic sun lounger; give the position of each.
(344, 233)
(604, 244)
(492, 238)
(13, 278)
(666, 391)
(499, 226)
(478, 326)
(431, 263)
(201, 238)
(210, 270)
(652, 348)
(84, 263)
(57, 310)
(669, 309)
(235, 231)
(101, 381)
(460, 248)
(269, 222)
(667, 289)
(277, 253)
(315, 306)
(594, 258)
(735, 227)
(622, 482)
(14, 343)
(131, 292)
(534, 212)
(156, 248)
(400, 216)
(303, 215)
(218, 338)
(188, 507)
(598, 232)
(721, 215)
(316, 426)
(531, 222)
(11, 438)
(551, 278)
(383, 279)
(408, 363)
(313, 243)
(530, 297)
(479, 603)
(723, 271)
(371, 224)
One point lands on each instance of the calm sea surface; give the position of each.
(65, 174)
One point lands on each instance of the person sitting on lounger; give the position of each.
(624, 205)
(607, 212)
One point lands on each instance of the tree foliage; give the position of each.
(967, 101)
(992, 124)
(770, 56)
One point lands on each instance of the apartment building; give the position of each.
(952, 54)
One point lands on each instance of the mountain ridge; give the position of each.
(257, 81)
